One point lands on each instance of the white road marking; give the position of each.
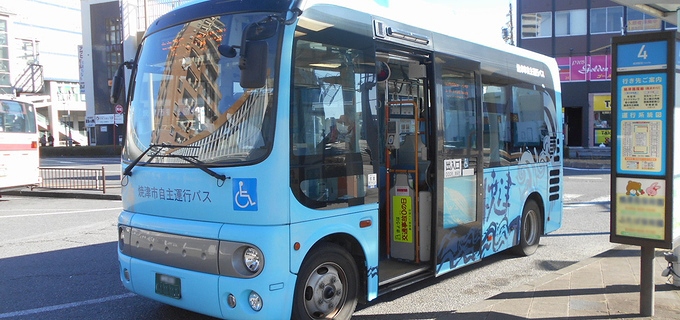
(58, 213)
(584, 178)
(570, 196)
(64, 306)
(601, 201)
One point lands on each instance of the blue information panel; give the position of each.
(642, 56)
(641, 115)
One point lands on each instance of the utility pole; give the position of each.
(508, 30)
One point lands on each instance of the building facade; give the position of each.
(102, 55)
(578, 34)
(39, 62)
(111, 33)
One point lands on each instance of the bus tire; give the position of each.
(327, 284)
(530, 230)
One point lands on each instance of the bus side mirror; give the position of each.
(254, 50)
(253, 64)
(118, 85)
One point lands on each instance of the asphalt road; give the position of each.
(58, 261)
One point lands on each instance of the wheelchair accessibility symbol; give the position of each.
(245, 194)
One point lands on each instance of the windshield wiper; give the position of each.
(198, 164)
(128, 169)
(190, 159)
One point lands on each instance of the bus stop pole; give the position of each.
(647, 281)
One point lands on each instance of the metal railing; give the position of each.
(73, 179)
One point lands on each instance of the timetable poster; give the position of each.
(641, 115)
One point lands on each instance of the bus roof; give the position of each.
(424, 18)
(437, 26)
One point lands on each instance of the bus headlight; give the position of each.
(252, 258)
(240, 260)
(255, 301)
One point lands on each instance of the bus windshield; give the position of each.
(17, 117)
(187, 95)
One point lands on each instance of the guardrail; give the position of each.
(73, 178)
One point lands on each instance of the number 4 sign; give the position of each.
(642, 56)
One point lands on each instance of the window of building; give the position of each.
(5, 83)
(536, 25)
(638, 21)
(571, 22)
(114, 46)
(28, 51)
(605, 20)
(669, 26)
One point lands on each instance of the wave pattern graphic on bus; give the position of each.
(458, 250)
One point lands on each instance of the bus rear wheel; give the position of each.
(530, 230)
(327, 285)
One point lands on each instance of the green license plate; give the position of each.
(168, 286)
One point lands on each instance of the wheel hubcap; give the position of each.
(324, 291)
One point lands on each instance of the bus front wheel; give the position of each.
(327, 285)
(530, 229)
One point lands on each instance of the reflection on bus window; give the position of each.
(188, 94)
(459, 113)
(328, 117)
(516, 124)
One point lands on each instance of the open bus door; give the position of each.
(405, 92)
(434, 164)
(459, 166)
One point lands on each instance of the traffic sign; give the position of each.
(90, 122)
(103, 119)
(119, 109)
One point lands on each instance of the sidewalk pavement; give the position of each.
(606, 286)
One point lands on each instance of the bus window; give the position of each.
(516, 124)
(188, 94)
(496, 128)
(528, 123)
(15, 118)
(459, 113)
(329, 112)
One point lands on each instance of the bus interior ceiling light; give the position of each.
(313, 25)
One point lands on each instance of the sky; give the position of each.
(481, 18)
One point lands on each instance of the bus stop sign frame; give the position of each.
(644, 164)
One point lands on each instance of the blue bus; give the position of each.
(290, 159)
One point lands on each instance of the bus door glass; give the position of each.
(407, 205)
(333, 116)
(458, 220)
